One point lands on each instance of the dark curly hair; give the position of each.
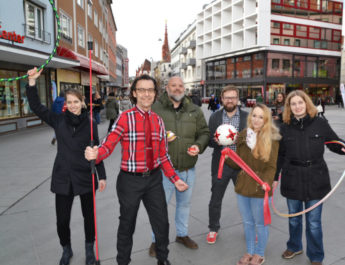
(134, 86)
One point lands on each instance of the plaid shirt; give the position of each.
(129, 128)
(234, 121)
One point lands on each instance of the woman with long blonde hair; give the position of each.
(304, 173)
(258, 147)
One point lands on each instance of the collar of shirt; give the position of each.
(142, 112)
(225, 115)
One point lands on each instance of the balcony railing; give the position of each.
(37, 34)
(183, 51)
(192, 44)
(191, 61)
(183, 66)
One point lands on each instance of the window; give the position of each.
(301, 31)
(287, 42)
(275, 64)
(314, 33)
(247, 58)
(34, 21)
(96, 48)
(95, 18)
(100, 27)
(80, 3)
(89, 9)
(276, 41)
(66, 26)
(286, 65)
(81, 37)
(297, 42)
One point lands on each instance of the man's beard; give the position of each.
(176, 98)
(230, 108)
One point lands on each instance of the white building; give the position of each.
(183, 59)
(264, 47)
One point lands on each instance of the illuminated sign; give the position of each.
(11, 36)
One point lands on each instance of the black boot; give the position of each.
(89, 254)
(167, 262)
(67, 254)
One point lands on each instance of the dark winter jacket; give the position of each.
(190, 127)
(304, 174)
(112, 108)
(71, 171)
(216, 119)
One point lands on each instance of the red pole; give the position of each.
(93, 161)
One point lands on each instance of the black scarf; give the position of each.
(76, 120)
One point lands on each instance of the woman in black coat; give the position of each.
(71, 172)
(304, 173)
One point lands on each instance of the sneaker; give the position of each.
(245, 259)
(152, 250)
(187, 242)
(288, 254)
(211, 237)
(257, 260)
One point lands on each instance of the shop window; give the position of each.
(275, 64)
(247, 58)
(34, 21)
(259, 56)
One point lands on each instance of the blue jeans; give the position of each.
(313, 229)
(252, 212)
(97, 117)
(183, 200)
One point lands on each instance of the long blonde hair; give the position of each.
(310, 108)
(267, 133)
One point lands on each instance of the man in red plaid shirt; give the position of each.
(144, 153)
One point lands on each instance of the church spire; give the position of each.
(166, 57)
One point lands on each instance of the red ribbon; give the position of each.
(230, 153)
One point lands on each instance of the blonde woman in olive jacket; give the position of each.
(258, 147)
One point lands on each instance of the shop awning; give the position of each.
(84, 61)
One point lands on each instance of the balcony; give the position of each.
(184, 66)
(37, 34)
(192, 44)
(191, 61)
(183, 51)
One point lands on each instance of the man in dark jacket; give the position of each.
(229, 114)
(187, 122)
(57, 108)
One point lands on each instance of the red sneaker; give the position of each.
(211, 237)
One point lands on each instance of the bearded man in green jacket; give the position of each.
(188, 136)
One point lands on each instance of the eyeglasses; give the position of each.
(144, 90)
(229, 98)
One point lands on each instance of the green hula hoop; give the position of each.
(52, 53)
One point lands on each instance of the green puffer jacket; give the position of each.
(190, 127)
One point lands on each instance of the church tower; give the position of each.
(166, 57)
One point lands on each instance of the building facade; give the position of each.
(184, 62)
(266, 47)
(27, 37)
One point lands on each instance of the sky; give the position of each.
(141, 23)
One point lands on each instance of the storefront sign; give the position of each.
(11, 36)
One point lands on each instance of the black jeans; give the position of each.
(217, 193)
(111, 122)
(131, 190)
(63, 205)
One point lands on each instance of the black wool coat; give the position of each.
(71, 171)
(304, 172)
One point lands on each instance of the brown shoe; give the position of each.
(316, 263)
(152, 250)
(187, 242)
(288, 254)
